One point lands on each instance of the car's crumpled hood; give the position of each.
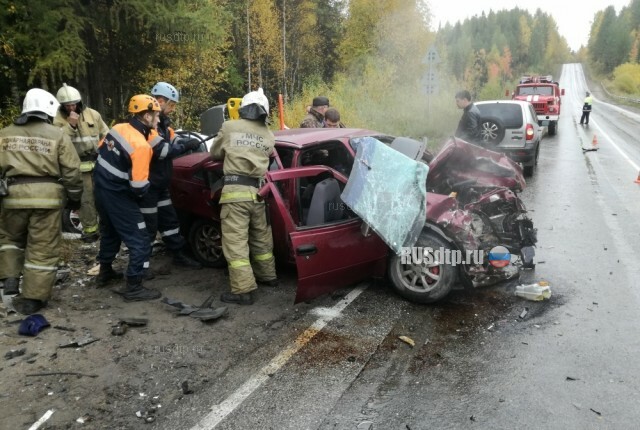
(388, 191)
(459, 161)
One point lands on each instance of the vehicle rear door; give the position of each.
(332, 254)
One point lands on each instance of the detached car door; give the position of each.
(326, 242)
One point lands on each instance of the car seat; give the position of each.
(326, 205)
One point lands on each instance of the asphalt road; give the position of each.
(570, 362)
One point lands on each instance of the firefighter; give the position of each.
(42, 170)
(156, 206)
(86, 129)
(121, 178)
(246, 145)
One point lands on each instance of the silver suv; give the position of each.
(511, 127)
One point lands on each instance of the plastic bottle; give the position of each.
(536, 292)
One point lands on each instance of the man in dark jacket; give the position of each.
(156, 206)
(315, 117)
(469, 125)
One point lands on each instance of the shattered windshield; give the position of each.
(388, 191)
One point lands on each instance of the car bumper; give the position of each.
(548, 118)
(520, 155)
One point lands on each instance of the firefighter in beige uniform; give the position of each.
(246, 145)
(86, 129)
(43, 171)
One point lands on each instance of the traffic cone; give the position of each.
(637, 181)
(594, 142)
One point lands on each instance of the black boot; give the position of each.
(270, 283)
(107, 274)
(240, 299)
(90, 237)
(136, 292)
(181, 259)
(11, 286)
(27, 306)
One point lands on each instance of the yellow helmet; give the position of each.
(142, 103)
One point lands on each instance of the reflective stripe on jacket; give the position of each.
(87, 135)
(245, 146)
(39, 150)
(123, 160)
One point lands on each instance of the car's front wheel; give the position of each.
(205, 240)
(425, 279)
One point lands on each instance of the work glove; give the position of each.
(73, 205)
(191, 145)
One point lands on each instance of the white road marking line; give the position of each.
(222, 410)
(624, 155)
(42, 420)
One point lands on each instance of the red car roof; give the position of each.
(300, 137)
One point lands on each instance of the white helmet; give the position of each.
(38, 100)
(256, 97)
(68, 95)
(165, 90)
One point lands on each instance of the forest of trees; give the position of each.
(614, 46)
(367, 56)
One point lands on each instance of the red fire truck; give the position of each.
(544, 94)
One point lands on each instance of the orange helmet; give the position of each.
(142, 103)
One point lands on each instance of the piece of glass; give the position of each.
(388, 190)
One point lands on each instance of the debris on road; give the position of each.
(185, 388)
(79, 342)
(535, 292)
(32, 325)
(204, 312)
(571, 378)
(15, 353)
(78, 374)
(595, 412)
(407, 340)
(524, 313)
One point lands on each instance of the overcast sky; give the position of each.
(574, 17)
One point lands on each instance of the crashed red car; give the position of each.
(471, 205)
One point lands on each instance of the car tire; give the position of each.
(205, 240)
(553, 128)
(71, 221)
(411, 280)
(528, 170)
(491, 130)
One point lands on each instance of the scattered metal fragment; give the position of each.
(63, 328)
(570, 378)
(15, 353)
(78, 374)
(185, 388)
(407, 340)
(79, 342)
(524, 313)
(472, 418)
(595, 412)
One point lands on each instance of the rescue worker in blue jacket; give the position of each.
(156, 206)
(121, 178)
(42, 169)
